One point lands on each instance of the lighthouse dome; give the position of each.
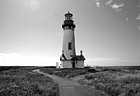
(68, 16)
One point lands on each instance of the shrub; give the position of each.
(129, 78)
(89, 77)
(92, 70)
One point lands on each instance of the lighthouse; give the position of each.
(69, 59)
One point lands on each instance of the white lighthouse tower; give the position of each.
(69, 59)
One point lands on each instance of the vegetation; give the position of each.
(24, 82)
(114, 83)
(105, 81)
(70, 72)
(48, 70)
(3, 68)
(66, 72)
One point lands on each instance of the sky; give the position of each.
(108, 31)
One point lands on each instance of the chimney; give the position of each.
(62, 51)
(81, 52)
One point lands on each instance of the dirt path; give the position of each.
(68, 87)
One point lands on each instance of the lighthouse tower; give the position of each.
(69, 59)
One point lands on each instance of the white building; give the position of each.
(69, 59)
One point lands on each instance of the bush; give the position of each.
(92, 70)
(89, 77)
(3, 68)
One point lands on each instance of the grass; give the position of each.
(22, 82)
(69, 72)
(113, 83)
(120, 81)
(66, 72)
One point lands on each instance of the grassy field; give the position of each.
(123, 81)
(105, 81)
(23, 82)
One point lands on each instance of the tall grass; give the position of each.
(113, 83)
(20, 82)
(65, 72)
(129, 78)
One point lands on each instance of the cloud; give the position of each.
(104, 3)
(109, 2)
(102, 59)
(10, 59)
(97, 3)
(138, 17)
(138, 27)
(117, 7)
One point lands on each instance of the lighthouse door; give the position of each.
(73, 64)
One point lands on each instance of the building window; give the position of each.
(69, 46)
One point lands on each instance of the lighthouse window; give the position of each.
(71, 27)
(69, 46)
(66, 27)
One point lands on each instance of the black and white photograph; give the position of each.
(69, 47)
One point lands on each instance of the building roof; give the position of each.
(62, 57)
(77, 57)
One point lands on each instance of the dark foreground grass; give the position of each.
(113, 83)
(21, 82)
